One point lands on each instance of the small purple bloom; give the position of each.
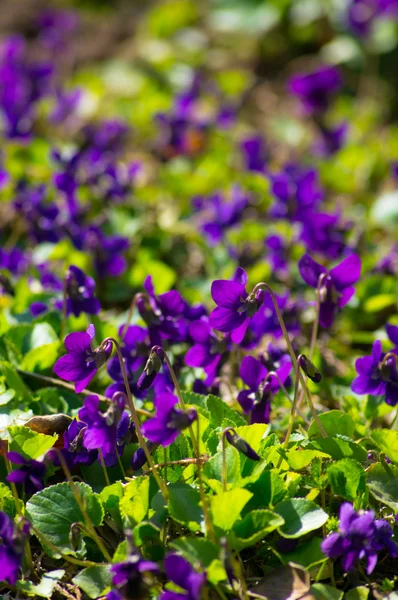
(182, 573)
(255, 153)
(297, 192)
(360, 537)
(80, 290)
(74, 451)
(13, 260)
(337, 285)
(376, 376)
(235, 306)
(67, 104)
(207, 350)
(30, 474)
(11, 549)
(220, 214)
(277, 254)
(257, 399)
(81, 362)
(332, 139)
(131, 578)
(325, 234)
(315, 90)
(169, 421)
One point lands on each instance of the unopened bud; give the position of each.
(309, 368)
(240, 444)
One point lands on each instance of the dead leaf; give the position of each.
(49, 424)
(291, 582)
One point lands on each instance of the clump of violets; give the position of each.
(235, 307)
(82, 362)
(80, 293)
(360, 537)
(297, 193)
(256, 401)
(336, 288)
(132, 578)
(169, 421)
(12, 540)
(30, 473)
(181, 572)
(377, 374)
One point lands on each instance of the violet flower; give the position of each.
(235, 306)
(30, 474)
(11, 549)
(169, 421)
(325, 233)
(42, 217)
(337, 286)
(392, 332)
(360, 537)
(376, 376)
(277, 254)
(297, 192)
(132, 578)
(332, 139)
(182, 573)
(207, 350)
(14, 260)
(257, 399)
(221, 214)
(240, 444)
(80, 290)
(81, 362)
(74, 450)
(255, 153)
(315, 90)
(134, 349)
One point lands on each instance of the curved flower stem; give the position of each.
(315, 325)
(64, 308)
(203, 497)
(83, 510)
(70, 386)
(388, 356)
(136, 421)
(195, 442)
(292, 413)
(265, 286)
(119, 460)
(129, 316)
(104, 466)
(284, 390)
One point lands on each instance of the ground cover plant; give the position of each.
(198, 324)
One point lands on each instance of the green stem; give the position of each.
(310, 404)
(292, 413)
(224, 460)
(136, 421)
(119, 460)
(203, 497)
(284, 390)
(104, 466)
(64, 308)
(315, 325)
(54, 548)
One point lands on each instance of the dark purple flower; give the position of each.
(66, 106)
(30, 474)
(257, 399)
(332, 139)
(13, 260)
(266, 321)
(315, 90)
(297, 192)
(131, 578)
(360, 537)
(80, 290)
(81, 362)
(255, 153)
(235, 306)
(325, 233)
(182, 573)
(42, 216)
(337, 285)
(392, 332)
(56, 27)
(134, 349)
(277, 254)
(169, 421)
(219, 214)
(207, 350)
(74, 450)
(376, 376)
(139, 458)
(107, 250)
(361, 15)
(11, 549)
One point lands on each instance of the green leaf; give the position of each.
(110, 497)
(135, 502)
(270, 488)
(40, 358)
(14, 381)
(334, 422)
(54, 510)
(358, 593)
(227, 506)
(256, 525)
(94, 581)
(30, 443)
(219, 411)
(45, 588)
(184, 505)
(42, 335)
(7, 503)
(299, 459)
(196, 550)
(387, 442)
(322, 591)
(383, 484)
(339, 448)
(307, 555)
(214, 467)
(253, 434)
(301, 516)
(347, 478)
(144, 532)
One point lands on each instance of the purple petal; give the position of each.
(200, 331)
(227, 293)
(392, 332)
(347, 272)
(252, 371)
(17, 476)
(346, 296)
(78, 342)
(238, 334)
(197, 356)
(371, 563)
(17, 458)
(70, 367)
(310, 270)
(225, 319)
(81, 384)
(346, 515)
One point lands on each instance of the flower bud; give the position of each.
(152, 367)
(309, 368)
(240, 444)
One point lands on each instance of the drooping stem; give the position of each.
(284, 390)
(81, 505)
(129, 317)
(315, 325)
(136, 421)
(104, 466)
(195, 442)
(203, 497)
(292, 412)
(70, 386)
(311, 405)
(165, 463)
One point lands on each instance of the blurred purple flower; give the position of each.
(207, 350)
(80, 290)
(337, 286)
(30, 474)
(130, 578)
(377, 377)
(316, 89)
(11, 549)
(297, 192)
(255, 153)
(182, 573)
(219, 214)
(325, 233)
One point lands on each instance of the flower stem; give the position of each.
(203, 497)
(284, 390)
(195, 442)
(119, 460)
(54, 548)
(129, 317)
(136, 421)
(292, 413)
(315, 325)
(224, 459)
(64, 308)
(104, 466)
